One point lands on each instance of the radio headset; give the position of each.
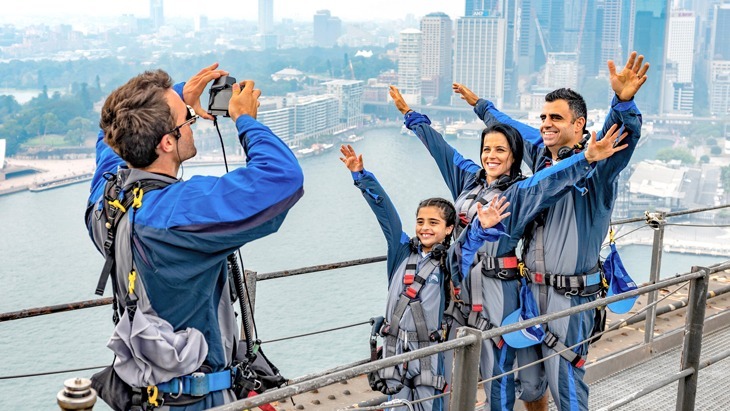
(565, 151)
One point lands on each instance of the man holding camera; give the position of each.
(166, 241)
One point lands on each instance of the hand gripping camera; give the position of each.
(220, 94)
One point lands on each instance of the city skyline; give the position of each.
(40, 11)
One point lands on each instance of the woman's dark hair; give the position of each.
(514, 139)
(448, 212)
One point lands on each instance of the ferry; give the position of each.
(452, 130)
(313, 150)
(352, 138)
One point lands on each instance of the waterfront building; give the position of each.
(719, 76)
(349, 96)
(561, 70)
(680, 54)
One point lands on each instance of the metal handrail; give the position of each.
(38, 311)
(457, 343)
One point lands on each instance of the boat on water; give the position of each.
(452, 130)
(352, 138)
(313, 150)
(60, 182)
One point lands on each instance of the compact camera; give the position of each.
(220, 94)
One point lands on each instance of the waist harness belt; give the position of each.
(413, 281)
(197, 384)
(582, 284)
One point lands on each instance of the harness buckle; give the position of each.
(550, 340)
(198, 384)
(408, 279)
(410, 292)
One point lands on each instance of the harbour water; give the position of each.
(47, 258)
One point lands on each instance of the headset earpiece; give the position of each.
(565, 152)
(413, 243)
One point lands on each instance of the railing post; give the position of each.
(695, 319)
(465, 372)
(656, 221)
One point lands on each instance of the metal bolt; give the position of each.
(77, 395)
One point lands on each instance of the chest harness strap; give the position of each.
(503, 268)
(114, 210)
(465, 206)
(551, 340)
(414, 282)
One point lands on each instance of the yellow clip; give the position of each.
(604, 283)
(116, 204)
(611, 239)
(152, 395)
(132, 278)
(521, 267)
(138, 193)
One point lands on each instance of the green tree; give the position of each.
(668, 154)
(715, 150)
(705, 159)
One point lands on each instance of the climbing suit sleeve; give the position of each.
(387, 215)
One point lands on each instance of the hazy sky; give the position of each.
(25, 10)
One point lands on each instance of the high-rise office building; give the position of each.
(327, 29)
(680, 44)
(680, 54)
(409, 65)
(480, 7)
(561, 70)
(157, 17)
(266, 16)
(650, 25)
(479, 57)
(719, 78)
(436, 60)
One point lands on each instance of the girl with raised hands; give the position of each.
(417, 284)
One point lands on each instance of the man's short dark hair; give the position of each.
(136, 116)
(575, 101)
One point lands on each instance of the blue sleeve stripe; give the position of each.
(465, 164)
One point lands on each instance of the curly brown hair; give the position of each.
(136, 116)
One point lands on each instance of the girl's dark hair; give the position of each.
(448, 212)
(514, 139)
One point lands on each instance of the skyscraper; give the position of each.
(436, 29)
(650, 40)
(409, 65)
(719, 79)
(327, 29)
(157, 16)
(479, 7)
(479, 58)
(680, 53)
(266, 16)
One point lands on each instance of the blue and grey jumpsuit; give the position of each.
(574, 229)
(424, 377)
(470, 255)
(179, 240)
